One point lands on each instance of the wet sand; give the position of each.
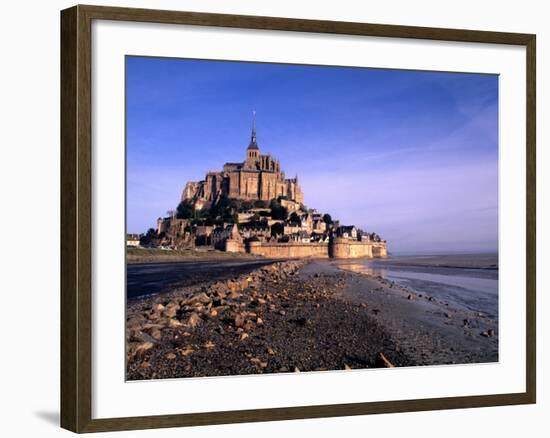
(430, 331)
(152, 278)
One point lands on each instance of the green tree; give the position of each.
(327, 219)
(185, 210)
(277, 229)
(277, 210)
(149, 237)
(294, 218)
(225, 210)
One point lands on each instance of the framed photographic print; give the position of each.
(269, 218)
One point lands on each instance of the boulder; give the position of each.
(209, 344)
(193, 320)
(155, 333)
(201, 298)
(142, 348)
(187, 351)
(239, 320)
(171, 309)
(174, 323)
(157, 307)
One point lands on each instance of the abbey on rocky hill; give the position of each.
(251, 207)
(258, 178)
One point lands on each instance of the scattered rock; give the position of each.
(239, 320)
(259, 362)
(201, 298)
(143, 347)
(171, 309)
(187, 351)
(170, 356)
(157, 307)
(193, 320)
(155, 333)
(174, 323)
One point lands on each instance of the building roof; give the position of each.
(253, 145)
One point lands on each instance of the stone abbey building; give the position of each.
(259, 177)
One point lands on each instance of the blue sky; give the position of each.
(411, 155)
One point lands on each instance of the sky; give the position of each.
(410, 155)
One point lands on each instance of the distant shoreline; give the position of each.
(485, 261)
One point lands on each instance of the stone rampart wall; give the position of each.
(288, 250)
(339, 248)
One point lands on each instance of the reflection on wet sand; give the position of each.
(472, 287)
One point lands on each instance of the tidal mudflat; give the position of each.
(299, 316)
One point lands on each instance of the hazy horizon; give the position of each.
(410, 155)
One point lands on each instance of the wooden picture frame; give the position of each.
(76, 217)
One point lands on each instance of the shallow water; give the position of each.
(469, 288)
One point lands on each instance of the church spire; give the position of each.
(254, 123)
(253, 143)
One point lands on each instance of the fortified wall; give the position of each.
(288, 250)
(338, 249)
(351, 249)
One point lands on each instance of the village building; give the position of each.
(259, 230)
(133, 240)
(347, 232)
(220, 235)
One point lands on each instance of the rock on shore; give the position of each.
(268, 321)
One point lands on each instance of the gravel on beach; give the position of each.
(271, 320)
(298, 316)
